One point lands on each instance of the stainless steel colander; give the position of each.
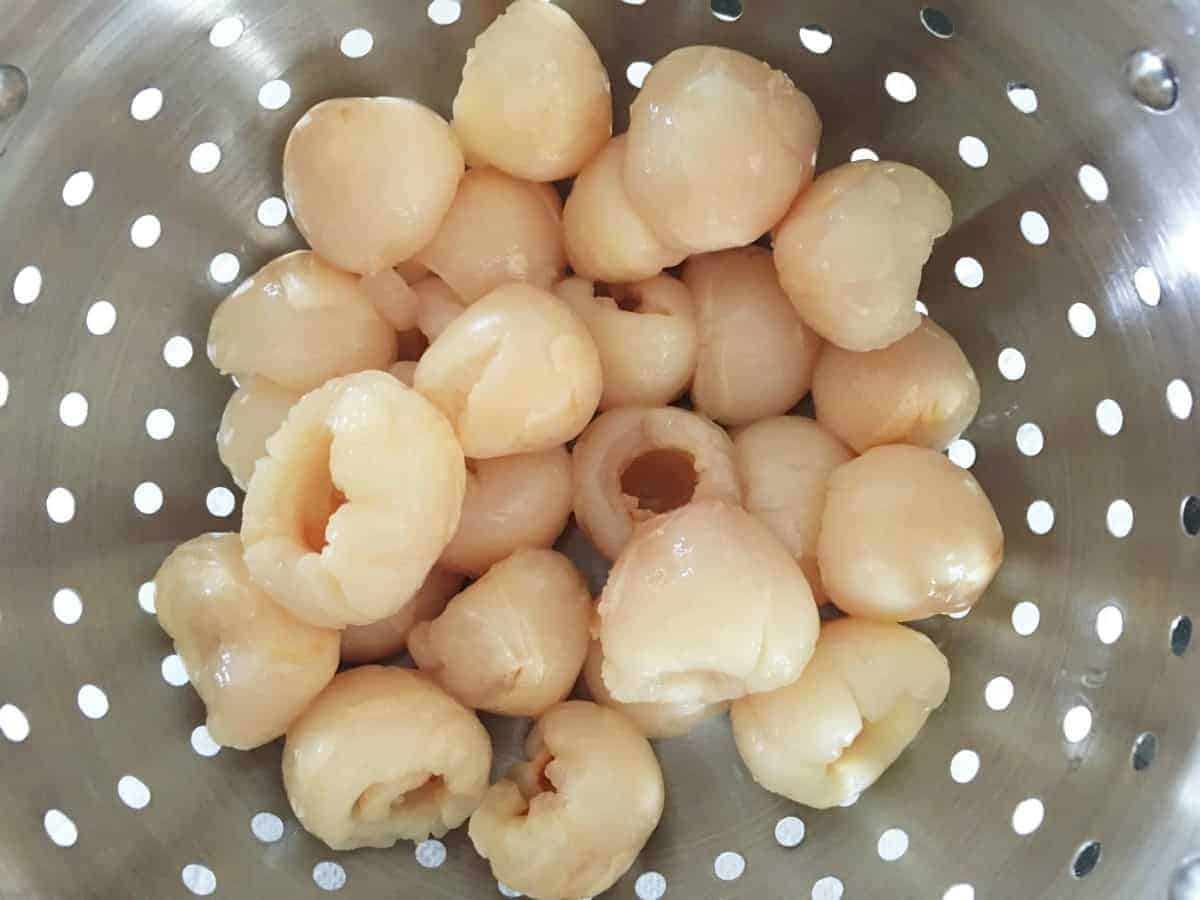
(139, 178)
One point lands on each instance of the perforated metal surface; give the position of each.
(66, 749)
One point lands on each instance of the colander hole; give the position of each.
(1179, 398)
(27, 285)
(173, 671)
(73, 409)
(900, 87)
(1026, 617)
(145, 231)
(1145, 748)
(962, 453)
(922, 308)
(14, 725)
(225, 32)
(266, 827)
(203, 743)
(198, 879)
(1040, 517)
(1109, 417)
(430, 854)
(275, 94)
(60, 505)
(1152, 80)
(864, 154)
(828, 888)
(998, 694)
(1093, 183)
(160, 424)
(1011, 363)
(636, 72)
(969, 272)
(67, 606)
(937, 22)
(329, 876)
(60, 828)
(146, 104)
(729, 866)
(1146, 283)
(973, 151)
(272, 212)
(1077, 724)
(1030, 440)
(1181, 635)
(1119, 518)
(444, 12)
(147, 498)
(816, 39)
(14, 91)
(78, 188)
(101, 318)
(145, 597)
(959, 892)
(133, 792)
(505, 890)
(1081, 319)
(892, 844)
(177, 351)
(1110, 624)
(224, 268)
(1022, 96)
(3, 390)
(1034, 227)
(1086, 859)
(357, 43)
(1189, 515)
(650, 886)
(220, 502)
(1028, 815)
(960, 614)
(726, 10)
(205, 157)
(634, 2)
(789, 832)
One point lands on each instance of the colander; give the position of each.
(140, 145)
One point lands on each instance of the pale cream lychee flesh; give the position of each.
(851, 250)
(756, 354)
(499, 229)
(704, 604)
(636, 462)
(254, 664)
(719, 145)
(920, 390)
(860, 702)
(298, 322)
(647, 338)
(515, 640)
(359, 493)
(384, 754)
(571, 820)
(369, 179)
(906, 534)
(785, 464)
(535, 99)
(512, 502)
(516, 372)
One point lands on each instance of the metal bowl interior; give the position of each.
(1082, 329)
